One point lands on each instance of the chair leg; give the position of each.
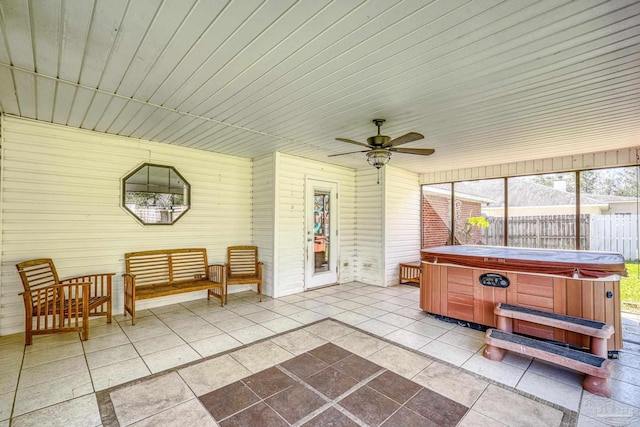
(109, 313)
(28, 336)
(260, 291)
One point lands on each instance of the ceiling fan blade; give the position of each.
(351, 141)
(410, 137)
(419, 151)
(344, 154)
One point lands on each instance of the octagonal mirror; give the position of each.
(156, 194)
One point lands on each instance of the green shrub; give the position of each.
(630, 289)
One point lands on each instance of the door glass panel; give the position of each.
(321, 230)
(436, 215)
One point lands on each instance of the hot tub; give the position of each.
(466, 282)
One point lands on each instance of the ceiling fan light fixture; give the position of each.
(378, 157)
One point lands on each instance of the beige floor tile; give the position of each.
(298, 342)
(470, 332)
(41, 357)
(439, 323)
(626, 373)
(51, 392)
(219, 316)
(308, 304)
(262, 316)
(396, 320)
(452, 383)
(408, 339)
(609, 411)
(365, 300)
(625, 392)
(6, 403)
(499, 404)
(347, 304)
(351, 318)
(245, 309)
(387, 306)
(463, 341)
(155, 344)
(251, 334)
(170, 358)
(287, 310)
(106, 341)
(189, 413)
(556, 372)
(214, 345)
(198, 332)
(476, 419)
(376, 327)
(261, 356)
(106, 329)
(412, 313)
(53, 370)
(139, 332)
(307, 316)
(118, 373)
(147, 398)
(361, 344)
(186, 322)
(233, 324)
(175, 315)
(42, 342)
(328, 310)
(427, 329)
(212, 374)
(550, 390)
(584, 421)
(111, 355)
(9, 381)
(281, 324)
(403, 362)
(329, 330)
(81, 411)
(497, 371)
(446, 352)
(168, 308)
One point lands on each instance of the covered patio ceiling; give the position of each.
(486, 82)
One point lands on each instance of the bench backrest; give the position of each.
(37, 274)
(167, 265)
(242, 261)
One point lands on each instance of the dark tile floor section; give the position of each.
(330, 386)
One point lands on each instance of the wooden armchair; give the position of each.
(52, 305)
(243, 268)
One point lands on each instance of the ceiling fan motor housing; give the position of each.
(378, 140)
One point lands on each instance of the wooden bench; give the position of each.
(157, 273)
(410, 272)
(595, 365)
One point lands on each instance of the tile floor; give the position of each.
(192, 350)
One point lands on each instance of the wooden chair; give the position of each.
(243, 268)
(52, 305)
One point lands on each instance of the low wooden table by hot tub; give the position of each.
(578, 283)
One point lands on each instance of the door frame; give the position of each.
(312, 183)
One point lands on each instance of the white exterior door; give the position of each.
(321, 212)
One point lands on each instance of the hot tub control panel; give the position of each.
(494, 279)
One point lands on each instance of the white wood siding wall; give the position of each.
(370, 226)
(402, 220)
(290, 243)
(263, 216)
(601, 159)
(60, 194)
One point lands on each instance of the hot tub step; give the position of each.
(596, 368)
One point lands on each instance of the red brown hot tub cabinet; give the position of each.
(578, 283)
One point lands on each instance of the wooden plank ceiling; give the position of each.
(485, 81)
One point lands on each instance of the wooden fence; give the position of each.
(616, 233)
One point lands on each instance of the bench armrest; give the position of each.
(217, 272)
(100, 283)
